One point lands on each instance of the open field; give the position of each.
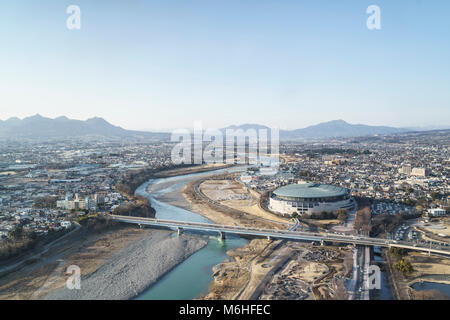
(221, 214)
(425, 269)
(429, 268)
(236, 195)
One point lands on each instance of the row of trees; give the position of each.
(340, 214)
(21, 241)
(398, 253)
(387, 223)
(45, 202)
(404, 266)
(98, 223)
(363, 220)
(140, 207)
(133, 179)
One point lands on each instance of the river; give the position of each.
(192, 277)
(442, 287)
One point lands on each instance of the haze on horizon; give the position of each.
(162, 65)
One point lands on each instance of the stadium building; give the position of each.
(310, 198)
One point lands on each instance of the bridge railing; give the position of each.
(324, 236)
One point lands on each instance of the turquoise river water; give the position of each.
(192, 277)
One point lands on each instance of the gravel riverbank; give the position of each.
(134, 268)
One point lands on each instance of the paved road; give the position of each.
(281, 234)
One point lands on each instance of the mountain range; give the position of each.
(39, 127)
(331, 129)
(62, 127)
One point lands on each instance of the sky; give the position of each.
(156, 65)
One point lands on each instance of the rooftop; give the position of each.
(310, 190)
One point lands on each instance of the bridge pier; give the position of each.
(312, 237)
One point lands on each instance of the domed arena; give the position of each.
(308, 198)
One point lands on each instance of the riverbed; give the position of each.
(191, 278)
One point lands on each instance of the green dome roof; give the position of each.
(310, 190)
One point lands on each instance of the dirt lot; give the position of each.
(236, 195)
(429, 268)
(221, 214)
(279, 270)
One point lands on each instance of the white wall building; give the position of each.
(308, 198)
(437, 212)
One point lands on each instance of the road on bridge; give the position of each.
(280, 234)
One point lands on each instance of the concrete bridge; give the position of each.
(290, 234)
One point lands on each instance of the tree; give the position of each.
(342, 215)
(398, 252)
(17, 233)
(45, 202)
(323, 215)
(363, 219)
(434, 196)
(404, 267)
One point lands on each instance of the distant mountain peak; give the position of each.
(36, 116)
(97, 120)
(338, 128)
(13, 119)
(329, 129)
(336, 121)
(339, 121)
(39, 127)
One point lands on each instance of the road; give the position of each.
(362, 273)
(281, 234)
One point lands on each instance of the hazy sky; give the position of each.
(164, 64)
